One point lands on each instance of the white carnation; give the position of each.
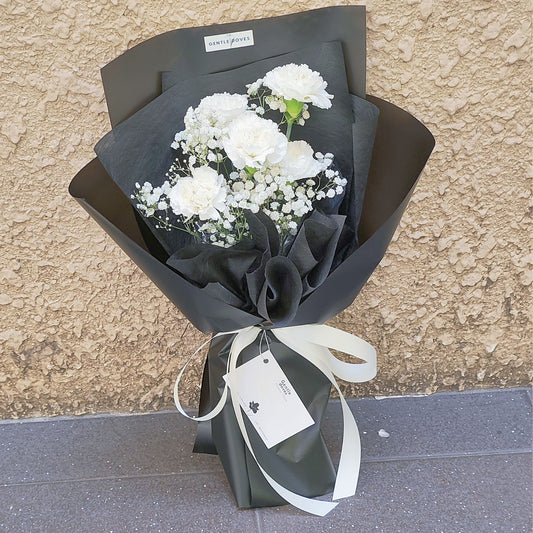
(252, 141)
(299, 162)
(300, 83)
(222, 108)
(203, 194)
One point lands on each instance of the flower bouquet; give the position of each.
(240, 187)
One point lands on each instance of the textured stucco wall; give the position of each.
(83, 330)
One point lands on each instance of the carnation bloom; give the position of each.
(203, 194)
(252, 141)
(300, 83)
(222, 108)
(299, 162)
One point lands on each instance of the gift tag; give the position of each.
(268, 399)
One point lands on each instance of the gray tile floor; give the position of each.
(453, 463)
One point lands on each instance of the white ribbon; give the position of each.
(313, 343)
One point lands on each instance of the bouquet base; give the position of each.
(301, 463)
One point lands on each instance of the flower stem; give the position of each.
(186, 229)
(289, 129)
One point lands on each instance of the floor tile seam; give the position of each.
(463, 455)
(93, 416)
(258, 521)
(366, 460)
(104, 478)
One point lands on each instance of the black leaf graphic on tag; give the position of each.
(254, 407)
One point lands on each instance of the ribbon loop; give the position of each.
(223, 397)
(313, 342)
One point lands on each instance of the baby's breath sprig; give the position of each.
(292, 111)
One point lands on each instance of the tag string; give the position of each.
(264, 336)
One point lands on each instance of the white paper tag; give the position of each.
(268, 399)
(225, 41)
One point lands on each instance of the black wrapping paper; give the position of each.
(402, 146)
(254, 276)
(133, 79)
(301, 463)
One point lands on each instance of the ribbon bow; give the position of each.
(313, 342)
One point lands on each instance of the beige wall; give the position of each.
(83, 330)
